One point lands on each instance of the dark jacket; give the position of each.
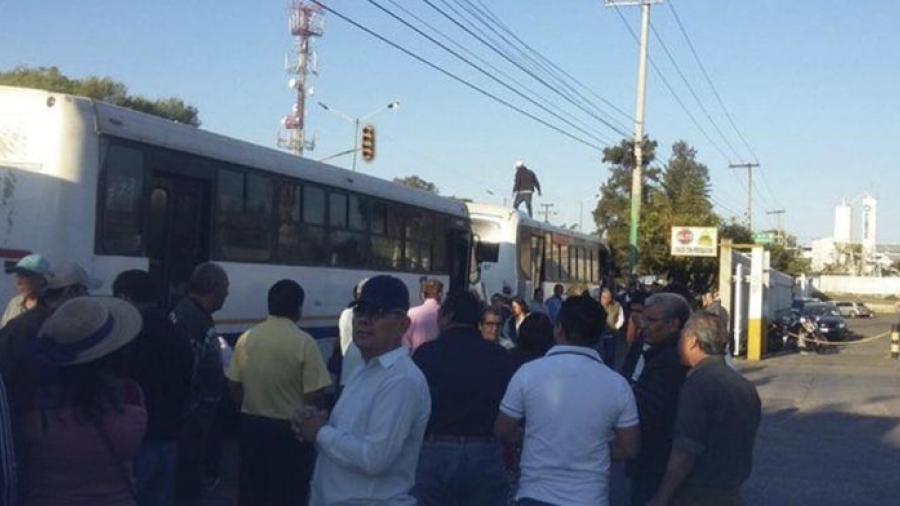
(656, 393)
(195, 324)
(20, 370)
(526, 180)
(467, 377)
(161, 362)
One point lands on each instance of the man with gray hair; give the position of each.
(656, 375)
(192, 316)
(715, 428)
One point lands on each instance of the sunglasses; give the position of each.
(374, 312)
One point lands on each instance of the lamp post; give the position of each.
(356, 122)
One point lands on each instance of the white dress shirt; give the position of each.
(352, 360)
(369, 449)
(572, 404)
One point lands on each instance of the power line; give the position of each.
(550, 62)
(486, 73)
(672, 90)
(523, 69)
(709, 80)
(474, 55)
(486, 17)
(455, 77)
(691, 90)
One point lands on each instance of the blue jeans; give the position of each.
(154, 473)
(464, 474)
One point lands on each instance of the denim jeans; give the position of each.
(154, 473)
(464, 474)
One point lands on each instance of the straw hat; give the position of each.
(85, 329)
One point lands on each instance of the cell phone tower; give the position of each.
(306, 22)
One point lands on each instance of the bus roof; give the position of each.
(137, 126)
(513, 215)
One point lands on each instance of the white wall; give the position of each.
(857, 285)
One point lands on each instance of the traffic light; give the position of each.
(368, 143)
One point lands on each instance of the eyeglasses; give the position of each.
(374, 312)
(489, 323)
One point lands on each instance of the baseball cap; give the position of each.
(520, 163)
(30, 264)
(383, 292)
(69, 274)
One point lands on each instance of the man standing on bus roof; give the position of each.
(524, 185)
(31, 278)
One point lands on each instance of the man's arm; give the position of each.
(627, 443)
(680, 465)
(375, 451)
(537, 184)
(507, 430)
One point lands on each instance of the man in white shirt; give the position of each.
(369, 445)
(579, 415)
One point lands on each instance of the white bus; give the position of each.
(115, 189)
(516, 254)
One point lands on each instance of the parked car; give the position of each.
(853, 309)
(799, 303)
(828, 319)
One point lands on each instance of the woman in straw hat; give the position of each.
(87, 422)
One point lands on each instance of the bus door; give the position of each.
(459, 257)
(178, 226)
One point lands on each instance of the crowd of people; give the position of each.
(116, 401)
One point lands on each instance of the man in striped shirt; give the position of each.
(7, 453)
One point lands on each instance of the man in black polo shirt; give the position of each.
(718, 414)
(460, 462)
(655, 373)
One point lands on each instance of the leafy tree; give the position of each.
(737, 232)
(613, 212)
(417, 183)
(100, 88)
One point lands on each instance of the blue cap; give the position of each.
(384, 292)
(31, 264)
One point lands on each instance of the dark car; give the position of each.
(827, 317)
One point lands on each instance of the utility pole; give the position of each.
(749, 166)
(547, 211)
(778, 213)
(637, 173)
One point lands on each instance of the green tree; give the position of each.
(737, 232)
(613, 212)
(417, 183)
(100, 88)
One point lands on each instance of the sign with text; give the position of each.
(694, 241)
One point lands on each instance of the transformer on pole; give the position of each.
(306, 23)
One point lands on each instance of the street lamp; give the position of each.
(356, 121)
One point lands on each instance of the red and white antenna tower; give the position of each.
(306, 22)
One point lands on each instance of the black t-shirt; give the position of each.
(467, 377)
(718, 414)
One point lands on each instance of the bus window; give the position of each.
(244, 217)
(288, 196)
(563, 252)
(523, 246)
(439, 246)
(312, 238)
(387, 248)
(359, 213)
(123, 184)
(348, 248)
(419, 236)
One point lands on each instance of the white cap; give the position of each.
(69, 274)
(519, 163)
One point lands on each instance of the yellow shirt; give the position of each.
(276, 363)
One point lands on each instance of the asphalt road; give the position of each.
(831, 429)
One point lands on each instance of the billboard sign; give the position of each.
(695, 241)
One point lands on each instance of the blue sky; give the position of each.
(811, 84)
